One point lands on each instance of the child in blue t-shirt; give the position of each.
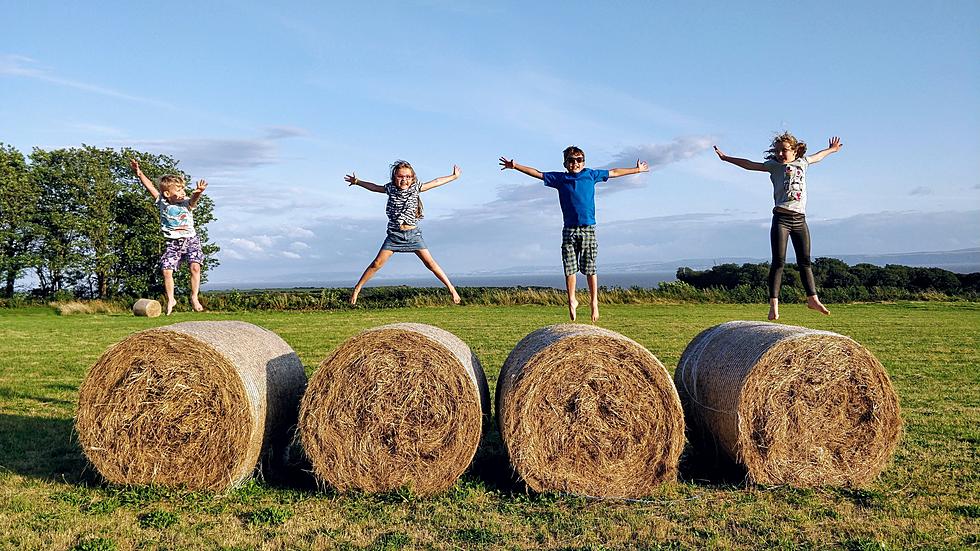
(576, 195)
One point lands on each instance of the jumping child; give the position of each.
(404, 209)
(787, 165)
(177, 223)
(576, 196)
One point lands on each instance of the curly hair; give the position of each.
(772, 154)
(405, 164)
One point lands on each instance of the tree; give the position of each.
(18, 205)
(59, 247)
(98, 233)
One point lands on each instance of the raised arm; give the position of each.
(744, 163)
(440, 181)
(353, 180)
(530, 171)
(833, 147)
(198, 192)
(641, 166)
(147, 183)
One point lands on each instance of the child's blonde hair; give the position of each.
(405, 164)
(772, 152)
(170, 181)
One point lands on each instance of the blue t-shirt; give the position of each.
(576, 194)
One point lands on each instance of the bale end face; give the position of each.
(588, 411)
(396, 406)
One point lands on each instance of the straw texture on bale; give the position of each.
(147, 307)
(792, 405)
(400, 405)
(193, 404)
(588, 411)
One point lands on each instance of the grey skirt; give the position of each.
(406, 241)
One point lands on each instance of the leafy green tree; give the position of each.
(98, 232)
(59, 250)
(18, 203)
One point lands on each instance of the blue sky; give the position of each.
(274, 102)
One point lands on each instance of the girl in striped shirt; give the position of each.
(404, 209)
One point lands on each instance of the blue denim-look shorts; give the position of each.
(404, 241)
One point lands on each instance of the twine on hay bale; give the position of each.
(400, 405)
(588, 411)
(193, 404)
(147, 307)
(792, 405)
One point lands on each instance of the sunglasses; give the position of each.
(575, 160)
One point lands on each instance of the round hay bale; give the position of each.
(588, 411)
(147, 307)
(400, 405)
(792, 405)
(193, 404)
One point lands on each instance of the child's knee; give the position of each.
(195, 268)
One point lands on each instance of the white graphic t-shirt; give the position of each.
(789, 183)
(176, 219)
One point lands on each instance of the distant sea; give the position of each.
(557, 281)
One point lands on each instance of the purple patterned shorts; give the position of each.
(187, 249)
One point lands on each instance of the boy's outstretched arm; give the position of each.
(353, 180)
(833, 147)
(641, 166)
(509, 163)
(147, 183)
(441, 180)
(744, 163)
(198, 192)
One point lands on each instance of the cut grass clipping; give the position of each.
(192, 404)
(587, 411)
(792, 405)
(396, 406)
(147, 307)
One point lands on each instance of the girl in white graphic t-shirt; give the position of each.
(786, 164)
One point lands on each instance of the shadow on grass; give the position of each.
(42, 448)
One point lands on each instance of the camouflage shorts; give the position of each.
(579, 249)
(186, 249)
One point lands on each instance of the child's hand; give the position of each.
(352, 178)
(642, 166)
(506, 163)
(835, 144)
(720, 154)
(135, 165)
(201, 186)
(456, 171)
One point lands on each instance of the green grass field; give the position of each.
(928, 498)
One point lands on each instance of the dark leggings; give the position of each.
(793, 226)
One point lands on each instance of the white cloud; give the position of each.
(288, 254)
(26, 67)
(921, 190)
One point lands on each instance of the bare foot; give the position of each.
(813, 303)
(170, 306)
(595, 312)
(773, 312)
(196, 304)
(572, 305)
